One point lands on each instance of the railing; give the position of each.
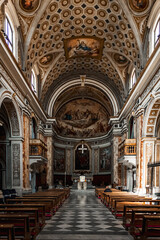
(127, 147)
(37, 148)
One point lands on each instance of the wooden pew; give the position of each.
(115, 201)
(150, 227)
(7, 231)
(127, 212)
(118, 204)
(137, 221)
(41, 210)
(108, 195)
(47, 202)
(31, 212)
(56, 202)
(20, 222)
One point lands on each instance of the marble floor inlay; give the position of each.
(83, 216)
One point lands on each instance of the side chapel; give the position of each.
(80, 94)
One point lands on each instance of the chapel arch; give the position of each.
(10, 120)
(151, 146)
(151, 118)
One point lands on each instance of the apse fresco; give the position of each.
(29, 5)
(83, 47)
(59, 159)
(82, 118)
(105, 159)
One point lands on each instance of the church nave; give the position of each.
(83, 216)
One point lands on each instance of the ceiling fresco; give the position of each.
(50, 28)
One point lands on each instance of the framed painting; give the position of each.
(105, 159)
(59, 160)
(83, 47)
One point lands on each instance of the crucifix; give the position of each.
(82, 148)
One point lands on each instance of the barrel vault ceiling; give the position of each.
(46, 24)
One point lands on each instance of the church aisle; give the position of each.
(83, 216)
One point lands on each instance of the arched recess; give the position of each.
(88, 82)
(151, 117)
(151, 145)
(11, 123)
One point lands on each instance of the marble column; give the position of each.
(26, 164)
(114, 171)
(148, 158)
(157, 169)
(139, 159)
(50, 161)
(17, 163)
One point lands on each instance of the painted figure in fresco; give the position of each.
(28, 4)
(139, 4)
(81, 48)
(46, 59)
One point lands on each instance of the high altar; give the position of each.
(82, 183)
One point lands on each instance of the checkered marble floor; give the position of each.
(83, 216)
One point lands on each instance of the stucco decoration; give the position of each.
(82, 118)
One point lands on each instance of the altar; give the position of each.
(82, 183)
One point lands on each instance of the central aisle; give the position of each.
(83, 216)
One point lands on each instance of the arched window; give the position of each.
(131, 128)
(33, 82)
(157, 32)
(133, 78)
(8, 33)
(34, 129)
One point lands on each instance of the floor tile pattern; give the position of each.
(83, 216)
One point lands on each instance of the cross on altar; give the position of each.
(82, 148)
